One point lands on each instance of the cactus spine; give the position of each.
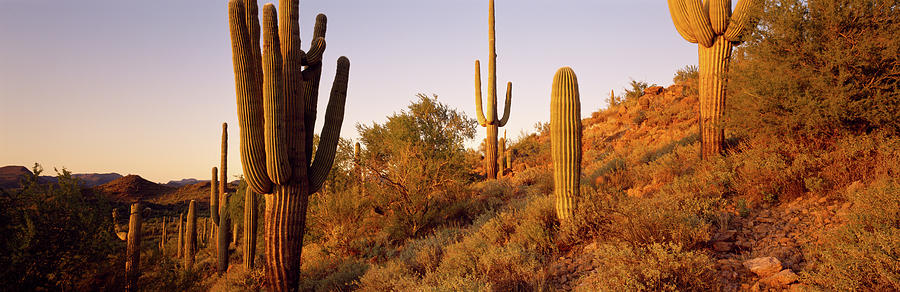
(190, 239)
(565, 141)
(218, 205)
(490, 121)
(277, 98)
(251, 212)
(717, 30)
(132, 237)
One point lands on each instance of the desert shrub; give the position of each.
(417, 159)
(689, 73)
(55, 236)
(655, 267)
(332, 273)
(536, 178)
(814, 68)
(863, 254)
(636, 90)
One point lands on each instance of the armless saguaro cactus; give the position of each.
(490, 121)
(218, 206)
(276, 101)
(162, 237)
(133, 244)
(190, 240)
(712, 25)
(180, 248)
(251, 213)
(501, 150)
(565, 141)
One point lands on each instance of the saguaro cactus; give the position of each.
(251, 213)
(162, 237)
(565, 141)
(190, 240)
(132, 237)
(501, 150)
(712, 25)
(277, 99)
(218, 206)
(180, 249)
(490, 121)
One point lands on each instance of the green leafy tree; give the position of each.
(55, 237)
(815, 68)
(418, 160)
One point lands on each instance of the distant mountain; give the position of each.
(184, 182)
(95, 179)
(11, 176)
(130, 188)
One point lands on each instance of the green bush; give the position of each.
(819, 67)
(864, 254)
(656, 267)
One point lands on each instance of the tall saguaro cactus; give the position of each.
(565, 141)
(132, 237)
(162, 237)
(180, 249)
(277, 94)
(190, 236)
(218, 205)
(490, 121)
(712, 25)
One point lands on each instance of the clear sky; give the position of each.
(142, 87)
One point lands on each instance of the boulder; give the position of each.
(764, 266)
(654, 90)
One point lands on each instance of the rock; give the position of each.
(763, 267)
(654, 90)
(722, 246)
(797, 287)
(780, 279)
(727, 235)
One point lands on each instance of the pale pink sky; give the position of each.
(142, 87)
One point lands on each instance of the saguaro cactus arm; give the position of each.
(248, 88)
(331, 132)
(679, 17)
(505, 118)
(479, 112)
(740, 20)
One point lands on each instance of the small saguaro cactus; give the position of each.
(277, 94)
(132, 236)
(180, 248)
(162, 237)
(501, 160)
(565, 141)
(712, 25)
(509, 159)
(490, 121)
(218, 205)
(612, 99)
(190, 240)
(251, 213)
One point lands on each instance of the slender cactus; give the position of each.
(277, 96)
(565, 141)
(501, 149)
(190, 240)
(133, 244)
(218, 205)
(180, 248)
(251, 213)
(162, 237)
(717, 30)
(490, 121)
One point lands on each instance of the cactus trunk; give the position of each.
(251, 213)
(180, 248)
(276, 112)
(190, 242)
(133, 248)
(565, 141)
(490, 152)
(162, 238)
(713, 66)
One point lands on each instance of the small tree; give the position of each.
(419, 159)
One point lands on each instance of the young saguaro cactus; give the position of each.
(277, 94)
(490, 120)
(218, 205)
(716, 29)
(190, 240)
(179, 252)
(132, 237)
(565, 141)
(501, 150)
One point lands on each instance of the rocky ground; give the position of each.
(761, 251)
